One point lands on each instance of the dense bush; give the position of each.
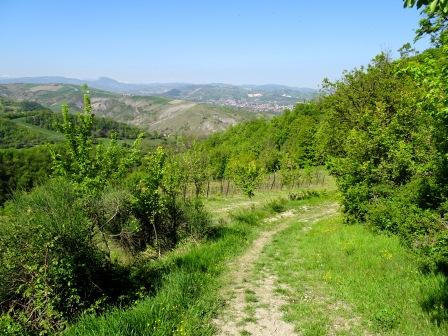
(22, 169)
(384, 135)
(50, 267)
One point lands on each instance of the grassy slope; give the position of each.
(345, 280)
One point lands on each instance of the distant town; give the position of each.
(254, 105)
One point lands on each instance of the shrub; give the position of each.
(248, 217)
(50, 268)
(298, 196)
(246, 173)
(196, 221)
(277, 205)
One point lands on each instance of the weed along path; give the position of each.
(254, 306)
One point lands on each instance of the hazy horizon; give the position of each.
(3, 76)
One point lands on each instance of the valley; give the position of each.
(166, 116)
(268, 98)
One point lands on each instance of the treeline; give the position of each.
(282, 147)
(103, 128)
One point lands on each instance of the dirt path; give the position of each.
(254, 307)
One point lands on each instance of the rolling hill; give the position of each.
(268, 97)
(162, 114)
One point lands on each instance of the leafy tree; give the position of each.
(289, 170)
(246, 174)
(432, 6)
(435, 22)
(89, 166)
(197, 164)
(147, 201)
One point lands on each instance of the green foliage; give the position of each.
(60, 242)
(246, 174)
(306, 194)
(90, 167)
(9, 327)
(384, 133)
(195, 222)
(22, 169)
(432, 5)
(277, 205)
(290, 135)
(196, 163)
(102, 127)
(382, 139)
(48, 260)
(13, 135)
(435, 22)
(148, 203)
(289, 170)
(189, 280)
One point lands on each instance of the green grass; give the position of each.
(220, 205)
(345, 280)
(187, 282)
(339, 279)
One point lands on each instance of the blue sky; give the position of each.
(278, 41)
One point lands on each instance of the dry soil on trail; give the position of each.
(254, 307)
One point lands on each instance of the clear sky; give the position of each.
(288, 42)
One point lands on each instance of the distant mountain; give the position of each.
(268, 97)
(161, 114)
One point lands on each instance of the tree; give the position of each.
(90, 167)
(197, 163)
(289, 171)
(148, 203)
(435, 24)
(432, 6)
(246, 173)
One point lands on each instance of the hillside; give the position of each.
(268, 97)
(163, 115)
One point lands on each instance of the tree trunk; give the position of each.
(273, 182)
(156, 237)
